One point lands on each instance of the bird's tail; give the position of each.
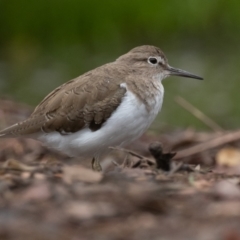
(9, 131)
(24, 128)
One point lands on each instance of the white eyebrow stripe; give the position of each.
(160, 59)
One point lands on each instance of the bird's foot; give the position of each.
(96, 165)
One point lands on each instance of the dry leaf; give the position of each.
(37, 192)
(228, 157)
(88, 210)
(227, 190)
(201, 184)
(197, 168)
(79, 173)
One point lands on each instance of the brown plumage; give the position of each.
(87, 101)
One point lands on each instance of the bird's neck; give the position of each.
(148, 90)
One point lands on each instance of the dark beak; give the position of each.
(182, 73)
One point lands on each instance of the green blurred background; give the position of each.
(44, 43)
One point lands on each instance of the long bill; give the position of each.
(182, 73)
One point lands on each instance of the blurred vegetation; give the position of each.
(45, 43)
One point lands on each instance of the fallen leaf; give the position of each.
(37, 192)
(201, 184)
(79, 173)
(227, 190)
(88, 210)
(228, 157)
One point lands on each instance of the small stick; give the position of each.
(198, 114)
(175, 169)
(127, 151)
(132, 153)
(218, 141)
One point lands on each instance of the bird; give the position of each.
(111, 105)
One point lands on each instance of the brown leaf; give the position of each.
(37, 192)
(228, 157)
(227, 190)
(87, 210)
(79, 173)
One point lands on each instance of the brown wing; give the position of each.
(87, 101)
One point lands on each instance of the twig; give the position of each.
(218, 141)
(21, 170)
(198, 114)
(131, 152)
(175, 169)
(127, 151)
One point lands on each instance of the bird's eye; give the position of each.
(152, 60)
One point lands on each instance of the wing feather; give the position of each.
(87, 101)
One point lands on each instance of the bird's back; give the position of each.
(86, 101)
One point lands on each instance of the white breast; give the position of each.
(130, 120)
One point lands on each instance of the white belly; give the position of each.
(130, 120)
